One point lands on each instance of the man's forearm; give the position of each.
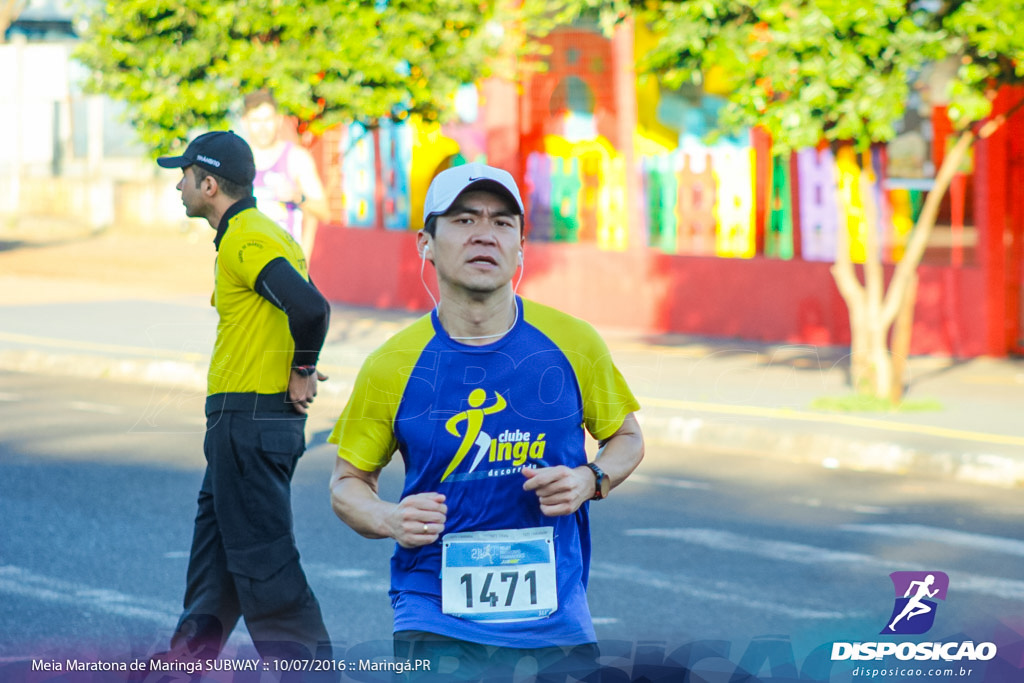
(620, 454)
(359, 506)
(307, 310)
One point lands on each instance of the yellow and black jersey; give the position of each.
(254, 347)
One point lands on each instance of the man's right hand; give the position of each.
(302, 389)
(418, 519)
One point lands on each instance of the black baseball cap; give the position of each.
(221, 152)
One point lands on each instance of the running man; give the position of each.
(287, 186)
(492, 553)
(915, 606)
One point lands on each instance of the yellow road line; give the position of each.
(190, 356)
(849, 420)
(123, 350)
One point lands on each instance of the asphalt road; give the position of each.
(764, 562)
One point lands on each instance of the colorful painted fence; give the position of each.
(697, 199)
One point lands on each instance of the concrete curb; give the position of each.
(832, 451)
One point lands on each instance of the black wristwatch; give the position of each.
(304, 370)
(602, 484)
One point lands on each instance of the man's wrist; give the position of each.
(602, 484)
(304, 370)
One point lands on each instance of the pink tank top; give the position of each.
(265, 188)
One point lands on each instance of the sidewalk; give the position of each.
(135, 306)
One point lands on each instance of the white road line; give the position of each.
(87, 407)
(986, 585)
(859, 509)
(358, 580)
(347, 573)
(784, 551)
(667, 481)
(24, 583)
(917, 532)
(718, 592)
(865, 509)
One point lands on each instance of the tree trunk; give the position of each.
(870, 364)
(879, 360)
(850, 289)
(901, 296)
(901, 333)
(860, 375)
(872, 307)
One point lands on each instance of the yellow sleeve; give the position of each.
(245, 253)
(607, 399)
(365, 432)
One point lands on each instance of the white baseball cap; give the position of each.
(452, 182)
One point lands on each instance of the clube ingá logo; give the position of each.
(916, 593)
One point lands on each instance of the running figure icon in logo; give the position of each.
(914, 612)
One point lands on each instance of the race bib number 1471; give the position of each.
(504, 575)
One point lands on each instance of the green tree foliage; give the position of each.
(813, 70)
(186, 64)
(805, 70)
(987, 34)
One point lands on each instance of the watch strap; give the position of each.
(599, 479)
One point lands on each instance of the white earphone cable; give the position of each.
(437, 304)
(423, 263)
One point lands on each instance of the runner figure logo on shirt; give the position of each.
(474, 434)
(914, 613)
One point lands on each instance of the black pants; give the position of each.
(244, 561)
(434, 657)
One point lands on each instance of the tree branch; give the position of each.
(874, 277)
(907, 266)
(992, 125)
(925, 222)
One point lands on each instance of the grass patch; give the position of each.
(872, 404)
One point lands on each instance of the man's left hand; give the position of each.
(302, 390)
(561, 490)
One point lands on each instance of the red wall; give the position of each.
(759, 299)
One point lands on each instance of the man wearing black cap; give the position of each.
(262, 379)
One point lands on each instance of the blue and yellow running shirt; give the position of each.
(466, 420)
